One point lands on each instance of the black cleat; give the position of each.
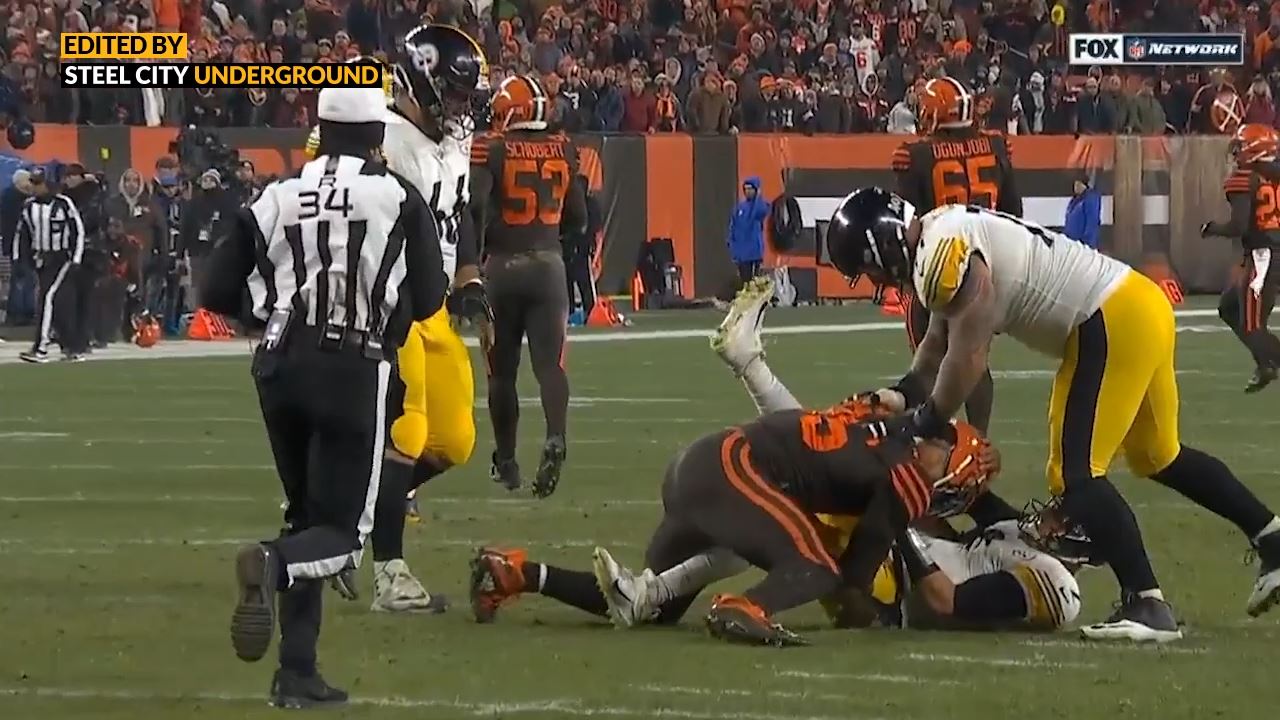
(1262, 377)
(506, 472)
(344, 583)
(1266, 588)
(253, 622)
(292, 691)
(1137, 619)
(548, 477)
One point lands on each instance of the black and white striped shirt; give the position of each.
(50, 224)
(343, 243)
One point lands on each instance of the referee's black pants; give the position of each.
(325, 413)
(56, 305)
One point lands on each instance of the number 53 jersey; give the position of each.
(1045, 283)
(521, 185)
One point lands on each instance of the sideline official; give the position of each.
(338, 259)
(51, 238)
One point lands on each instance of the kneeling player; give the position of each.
(998, 576)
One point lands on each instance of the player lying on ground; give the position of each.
(995, 576)
(983, 273)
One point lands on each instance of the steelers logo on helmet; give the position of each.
(444, 73)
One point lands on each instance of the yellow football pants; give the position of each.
(835, 531)
(1116, 388)
(437, 419)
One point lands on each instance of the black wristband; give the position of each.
(913, 557)
(929, 423)
(912, 388)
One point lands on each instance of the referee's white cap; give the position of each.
(352, 105)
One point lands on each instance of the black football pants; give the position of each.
(1247, 312)
(529, 295)
(57, 304)
(325, 414)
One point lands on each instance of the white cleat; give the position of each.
(395, 589)
(737, 340)
(1266, 592)
(626, 593)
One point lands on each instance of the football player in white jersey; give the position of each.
(1001, 575)
(441, 80)
(1112, 329)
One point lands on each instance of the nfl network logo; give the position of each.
(1156, 49)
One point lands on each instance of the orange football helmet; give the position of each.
(972, 463)
(1227, 111)
(1253, 143)
(944, 103)
(146, 330)
(520, 103)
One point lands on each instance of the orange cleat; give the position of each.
(736, 619)
(497, 577)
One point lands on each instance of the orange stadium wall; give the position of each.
(1157, 192)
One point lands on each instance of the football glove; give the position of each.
(923, 422)
(469, 303)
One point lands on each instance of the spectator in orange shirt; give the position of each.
(1262, 45)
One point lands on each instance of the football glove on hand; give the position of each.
(469, 303)
(923, 422)
(884, 400)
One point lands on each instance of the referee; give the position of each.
(338, 260)
(51, 239)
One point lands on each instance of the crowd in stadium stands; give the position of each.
(702, 66)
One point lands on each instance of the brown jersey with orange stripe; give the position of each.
(833, 462)
(964, 166)
(1254, 195)
(521, 185)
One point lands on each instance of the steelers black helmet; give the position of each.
(443, 71)
(867, 236)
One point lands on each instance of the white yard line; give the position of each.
(563, 707)
(1038, 661)
(867, 677)
(132, 499)
(1149, 648)
(735, 692)
(104, 546)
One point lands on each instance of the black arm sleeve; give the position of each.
(423, 261)
(883, 519)
(468, 240)
(481, 191)
(574, 218)
(230, 263)
(909, 189)
(1010, 200)
(1239, 222)
(990, 509)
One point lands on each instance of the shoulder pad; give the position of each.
(1238, 182)
(944, 261)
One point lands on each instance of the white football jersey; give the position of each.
(439, 170)
(866, 57)
(1046, 284)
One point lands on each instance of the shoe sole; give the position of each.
(297, 703)
(253, 621)
(756, 291)
(731, 629)
(1268, 600)
(1131, 632)
(604, 582)
(479, 571)
(549, 469)
(435, 604)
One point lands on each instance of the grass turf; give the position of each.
(126, 485)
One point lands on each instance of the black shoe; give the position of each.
(505, 471)
(548, 477)
(35, 356)
(254, 620)
(292, 691)
(344, 583)
(1139, 619)
(1262, 377)
(1266, 588)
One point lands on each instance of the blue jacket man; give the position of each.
(746, 230)
(1084, 215)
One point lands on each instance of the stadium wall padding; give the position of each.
(1156, 191)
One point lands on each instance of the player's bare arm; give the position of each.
(971, 323)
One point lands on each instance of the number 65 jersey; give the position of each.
(439, 170)
(1045, 283)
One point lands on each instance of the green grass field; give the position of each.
(125, 487)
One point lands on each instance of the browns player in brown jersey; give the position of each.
(522, 193)
(754, 490)
(954, 163)
(1253, 191)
